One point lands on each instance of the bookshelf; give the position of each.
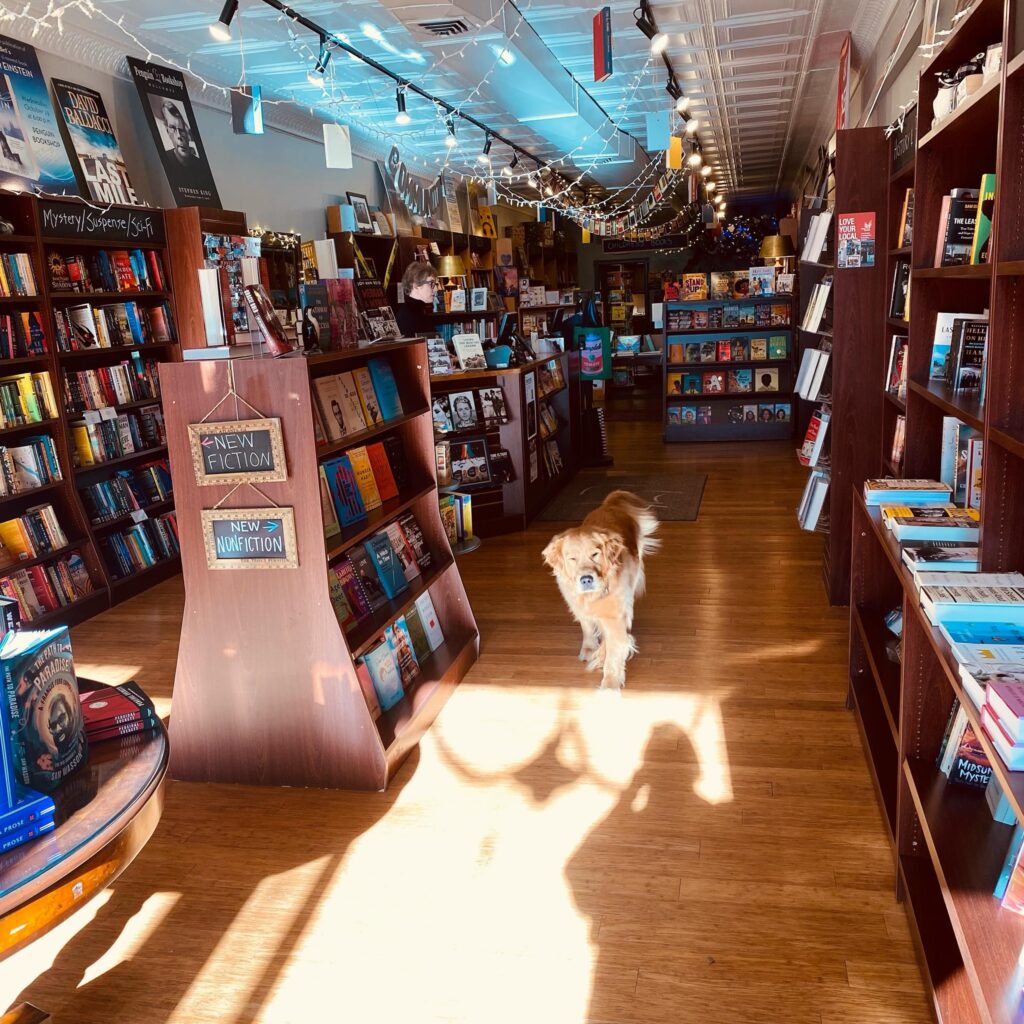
(857, 362)
(505, 507)
(284, 706)
(947, 849)
(728, 413)
(45, 229)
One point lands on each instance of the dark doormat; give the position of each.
(675, 497)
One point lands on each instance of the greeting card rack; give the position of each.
(266, 690)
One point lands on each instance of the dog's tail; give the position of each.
(645, 519)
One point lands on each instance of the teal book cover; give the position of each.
(385, 674)
(385, 387)
(385, 561)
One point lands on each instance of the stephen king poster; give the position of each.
(173, 125)
(31, 150)
(92, 145)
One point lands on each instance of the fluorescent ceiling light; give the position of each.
(505, 56)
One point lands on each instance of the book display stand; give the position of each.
(512, 505)
(948, 849)
(266, 689)
(51, 232)
(853, 441)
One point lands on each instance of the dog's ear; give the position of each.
(552, 554)
(612, 549)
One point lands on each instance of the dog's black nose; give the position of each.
(586, 581)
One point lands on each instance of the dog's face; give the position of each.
(586, 561)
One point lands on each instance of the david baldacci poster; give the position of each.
(92, 145)
(176, 134)
(31, 149)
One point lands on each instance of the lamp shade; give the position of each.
(451, 266)
(775, 247)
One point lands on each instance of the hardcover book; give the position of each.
(341, 480)
(469, 351)
(983, 221)
(403, 550)
(367, 397)
(695, 287)
(42, 704)
(352, 588)
(762, 282)
(366, 572)
(400, 639)
(959, 231)
(382, 663)
(429, 620)
(389, 568)
(385, 388)
(387, 486)
(359, 459)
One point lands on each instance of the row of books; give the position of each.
(459, 300)
(378, 570)
(722, 285)
(896, 369)
(816, 241)
(17, 275)
(26, 398)
(550, 378)
(36, 532)
(456, 509)
(965, 224)
(468, 410)
(718, 382)
(810, 512)
(472, 461)
(128, 491)
(905, 228)
(548, 421)
(899, 300)
(40, 589)
(814, 364)
(22, 334)
(28, 465)
(119, 270)
(961, 462)
(814, 439)
(817, 304)
(356, 400)
(731, 314)
(450, 333)
(389, 670)
(112, 325)
(553, 464)
(707, 415)
(132, 380)
(729, 350)
(361, 480)
(899, 440)
(141, 545)
(128, 432)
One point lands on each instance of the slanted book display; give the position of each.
(343, 553)
(935, 716)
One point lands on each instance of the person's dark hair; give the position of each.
(417, 273)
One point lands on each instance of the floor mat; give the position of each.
(675, 497)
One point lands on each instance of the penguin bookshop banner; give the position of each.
(176, 134)
(31, 149)
(91, 144)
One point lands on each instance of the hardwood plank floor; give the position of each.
(704, 847)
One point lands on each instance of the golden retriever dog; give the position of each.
(599, 566)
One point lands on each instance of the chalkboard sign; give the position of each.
(237, 451)
(903, 141)
(117, 224)
(250, 538)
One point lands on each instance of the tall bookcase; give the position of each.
(853, 442)
(266, 690)
(44, 228)
(947, 848)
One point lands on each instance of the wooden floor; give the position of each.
(705, 847)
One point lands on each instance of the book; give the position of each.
(441, 413)
(905, 233)
(968, 763)
(116, 705)
(978, 599)
(967, 355)
(1011, 753)
(428, 619)
(694, 288)
(814, 440)
(343, 609)
(356, 600)
(372, 413)
(389, 568)
(1009, 862)
(983, 219)
(985, 644)
(900, 290)
(957, 524)
(722, 284)
(956, 437)
(400, 639)
(27, 808)
(956, 230)
(385, 387)
(345, 496)
(359, 460)
(438, 358)
(767, 380)
(44, 714)
(366, 685)
(382, 663)
(366, 573)
(943, 338)
(463, 409)
(948, 556)
(469, 351)
(892, 490)
(415, 539)
(387, 486)
(403, 550)
(762, 281)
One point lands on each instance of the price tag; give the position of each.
(91, 416)
(108, 413)
(139, 514)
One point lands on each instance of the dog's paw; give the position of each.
(587, 652)
(613, 681)
(596, 660)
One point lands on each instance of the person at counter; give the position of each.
(419, 282)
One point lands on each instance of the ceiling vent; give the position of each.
(444, 28)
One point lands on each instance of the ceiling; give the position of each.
(760, 75)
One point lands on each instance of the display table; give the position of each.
(106, 813)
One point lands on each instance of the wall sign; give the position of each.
(843, 87)
(903, 141)
(74, 220)
(237, 452)
(855, 239)
(421, 201)
(250, 538)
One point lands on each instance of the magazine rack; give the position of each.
(266, 690)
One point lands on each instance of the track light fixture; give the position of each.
(672, 87)
(659, 43)
(450, 140)
(682, 104)
(515, 160)
(402, 117)
(692, 125)
(645, 21)
(316, 73)
(221, 28)
(485, 153)
(695, 159)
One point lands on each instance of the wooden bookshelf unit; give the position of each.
(266, 690)
(44, 229)
(947, 849)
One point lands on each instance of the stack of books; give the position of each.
(361, 480)
(113, 711)
(356, 400)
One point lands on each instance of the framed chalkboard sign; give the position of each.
(237, 452)
(250, 538)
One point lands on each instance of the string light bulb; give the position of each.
(692, 125)
(485, 153)
(450, 140)
(659, 43)
(221, 28)
(695, 159)
(706, 170)
(682, 104)
(402, 117)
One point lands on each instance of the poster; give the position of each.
(173, 125)
(31, 150)
(530, 394)
(92, 145)
(595, 345)
(855, 240)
